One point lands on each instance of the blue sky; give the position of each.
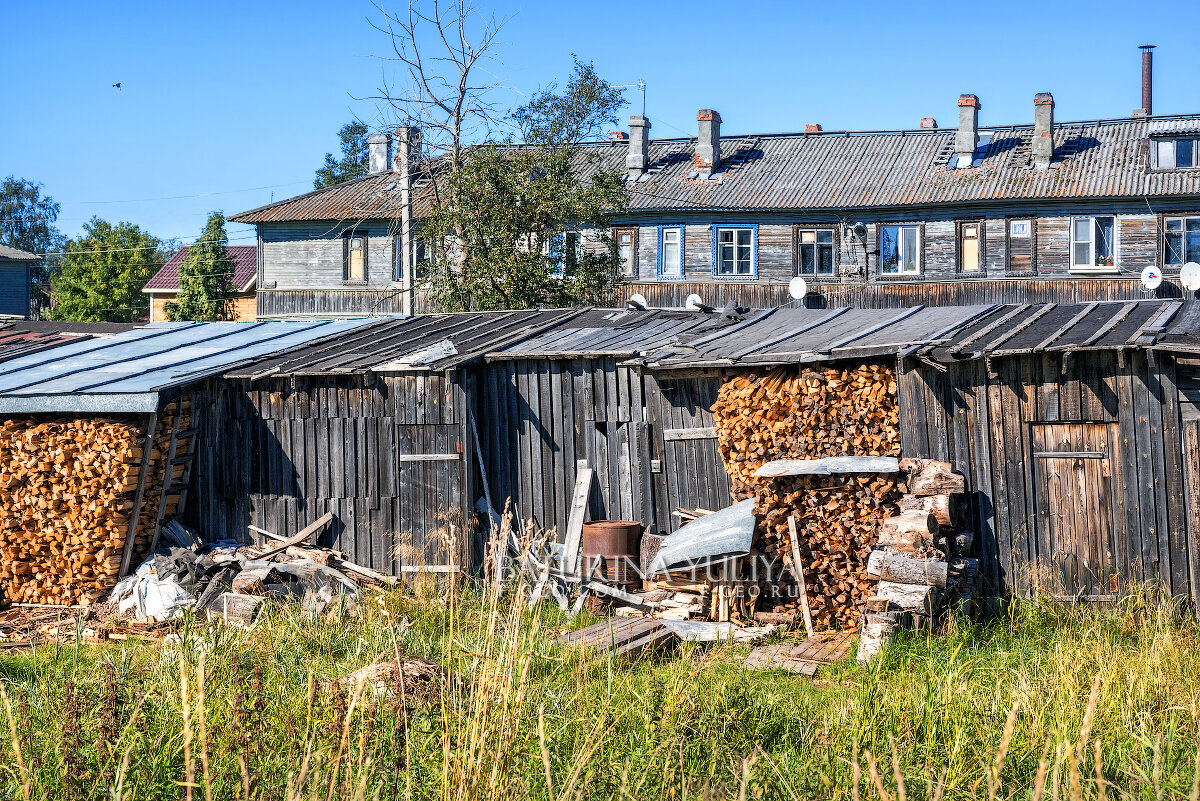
(226, 105)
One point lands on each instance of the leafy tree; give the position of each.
(205, 277)
(355, 158)
(103, 272)
(27, 218)
(515, 213)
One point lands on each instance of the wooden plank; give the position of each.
(1147, 366)
(1134, 568)
(681, 434)
(1191, 471)
(574, 532)
(798, 572)
(310, 530)
(1174, 493)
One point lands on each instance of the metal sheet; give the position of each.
(729, 532)
(129, 366)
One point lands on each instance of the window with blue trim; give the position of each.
(733, 251)
(566, 252)
(670, 251)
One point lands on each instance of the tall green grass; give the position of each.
(1047, 701)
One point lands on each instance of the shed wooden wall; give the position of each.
(14, 288)
(278, 453)
(539, 418)
(982, 423)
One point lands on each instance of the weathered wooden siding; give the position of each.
(311, 255)
(540, 418)
(982, 423)
(278, 453)
(273, 303)
(901, 294)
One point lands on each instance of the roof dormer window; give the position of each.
(1177, 153)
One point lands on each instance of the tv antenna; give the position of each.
(639, 85)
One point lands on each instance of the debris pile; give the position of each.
(230, 581)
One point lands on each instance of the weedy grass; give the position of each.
(1046, 702)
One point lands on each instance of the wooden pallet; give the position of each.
(822, 647)
(621, 635)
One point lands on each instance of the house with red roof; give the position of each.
(165, 284)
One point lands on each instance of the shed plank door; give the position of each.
(1073, 491)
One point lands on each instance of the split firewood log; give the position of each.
(929, 477)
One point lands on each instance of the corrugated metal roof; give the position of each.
(833, 170)
(21, 343)
(613, 332)
(424, 342)
(12, 254)
(125, 372)
(244, 260)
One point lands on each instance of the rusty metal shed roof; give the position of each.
(833, 170)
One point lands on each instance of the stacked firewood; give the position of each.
(837, 519)
(792, 413)
(67, 493)
(920, 562)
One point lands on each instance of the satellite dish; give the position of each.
(695, 303)
(638, 301)
(798, 288)
(1151, 278)
(1189, 276)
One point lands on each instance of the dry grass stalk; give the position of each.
(26, 780)
(189, 767)
(876, 779)
(1010, 726)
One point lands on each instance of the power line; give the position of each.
(128, 250)
(178, 197)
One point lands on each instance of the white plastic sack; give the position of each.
(149, 596)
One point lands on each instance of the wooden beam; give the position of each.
(798, 569)
(306, 532)
(428, 457)
(131, 533)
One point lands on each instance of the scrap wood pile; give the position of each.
(25, 627)
(230, 581)
(921, 559)
(68, 487)
(804, 413)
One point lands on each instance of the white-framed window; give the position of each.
(900, 249)
(1182, 235)
(734, 251)
(815, 252)
(1020, 245)
(354, 256)
(1177, 153)
(670, 251)
(970, 246)
(626, 251)
(1092, 243)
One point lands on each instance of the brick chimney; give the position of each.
(379, 152)
(1147, 79)
(928, 123)
(618, 136)
(967, 138)
(708, 142)
(1043, 129)
(638, 158)
(813, 127)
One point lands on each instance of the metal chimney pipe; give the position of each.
(1147, 78)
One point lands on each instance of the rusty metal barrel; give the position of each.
(616, 545)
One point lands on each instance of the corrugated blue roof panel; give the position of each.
(125, 372)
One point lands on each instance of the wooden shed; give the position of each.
(1073, 425)
(374, 426)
